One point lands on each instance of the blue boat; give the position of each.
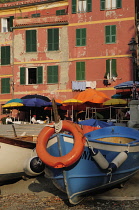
(109, 157)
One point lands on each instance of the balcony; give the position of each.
(22, 22)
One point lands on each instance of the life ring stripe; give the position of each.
(68, 159)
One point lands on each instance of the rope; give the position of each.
(58, 126)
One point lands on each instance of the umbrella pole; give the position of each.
(110, 112)
(72, 113)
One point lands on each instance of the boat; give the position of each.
(18, 158)
(80, 164)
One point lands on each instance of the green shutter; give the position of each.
(113, 34)
(31, 42)
(53, 39)
(5, 55)
(107, 34)
(60, 12)
(89, 5)
(114, 73)
(118, 4)
(11, 22)
(110, 34)
(52, 74)
(22, 76)
(73, 6)
(102, 4)
(81, 37)
(107, 68)
(5, 85)
(80, 70)
(39, 75)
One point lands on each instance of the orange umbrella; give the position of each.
(92, 95)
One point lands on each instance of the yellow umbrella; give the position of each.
(12, 104)
(72, 102)
(115, 101)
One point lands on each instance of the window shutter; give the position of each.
(83, 36)
(39, 75)
(73, 6)
(102, 4)
(78, 43)
(53, 39)
(118, 4)
(113, 34)
(114, 73)
(31, 41)
(52, 74)
(107, 34)
(5, 85)
(89, 5)
(107, 68)
(22, 75)
(5, 55)
(56, 38)
(34, 41)
(80, 71)
(11, 22)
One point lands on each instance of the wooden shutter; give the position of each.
(83, 36)
(56, 38)
(52, 74)
(118, 4)
(5, 55)
(114, 73)
(11, 22)
(53, 39)
(107, 68)
(113, 34)
(80, 70)
(78, 42)
(22, 76)
(31, 41)
(89, 5)
(39, 75)
(73, 6)
(107, 34)
(5, 85)
(102, 4)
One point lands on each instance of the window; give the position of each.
(61, 12)
(110, 69)
(81, 6)
(5, 85)
(52, 74)
(35, 15)
(7, 24)
(81, 37)
(110, 4)
(53, 39)
(80, 70)
(31, 43)
(5, 55)
(110, 34)
(31, 75)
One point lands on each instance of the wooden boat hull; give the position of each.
(15, 155)
(86, 175)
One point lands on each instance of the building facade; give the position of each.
(58, 48)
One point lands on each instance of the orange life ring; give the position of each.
(68, 159)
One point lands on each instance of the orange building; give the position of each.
(58, 48)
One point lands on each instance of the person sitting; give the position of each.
(33, 119)
(9, 120)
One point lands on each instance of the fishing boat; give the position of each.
(79, 163)
(18, 158)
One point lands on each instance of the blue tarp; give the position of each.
(96, 123)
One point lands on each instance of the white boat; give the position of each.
(18, 158)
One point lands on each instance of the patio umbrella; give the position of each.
(114, 101)
(92, 95)
(12, 104)
(18, 100)
(36, 96)
(72, 102)
(34, 102)
(128, 84)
